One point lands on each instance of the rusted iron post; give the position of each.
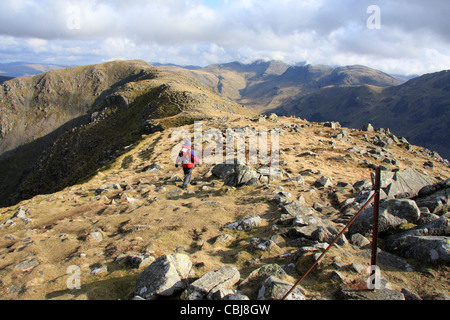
(376, 213)
(330, 245)
(270, 162)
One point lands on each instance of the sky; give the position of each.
(403, 37)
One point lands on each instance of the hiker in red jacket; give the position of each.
(187, 159)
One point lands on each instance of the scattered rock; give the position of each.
(153, 168)
(27, 265)
(368, 127)
(245, 224)
(294, 209)
(261, 244)
(136, 260)
(17, 289)
(97, 268)
(336, 275)
(96, 236)
(275, 289)
(21, 214)
(359, 240)
(436, 202)
(281, 197)
(332, 124)
(410, 295)
(106, 187)
(220, 279)
(174, 193)
(388, 259)
(274, 173)
(380, 294)
(258, 276)
(323, 182)
(242, 176)
(223, 239)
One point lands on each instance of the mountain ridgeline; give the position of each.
(26, 69)
(263, 86)
(3, 79)
(60, 127)
(418, 109)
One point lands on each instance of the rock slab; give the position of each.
(165, 276)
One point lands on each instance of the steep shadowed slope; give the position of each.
(59, 127)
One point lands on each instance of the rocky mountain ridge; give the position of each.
(219, 240)
(352, 95)
(59, 127)
(263, 85)
(101, 214)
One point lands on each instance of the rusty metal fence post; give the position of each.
(376, 197)
(270, 163)
(376, 212)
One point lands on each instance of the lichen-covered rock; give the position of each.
(275, 289)
(220, 279)
(429, 242)
(165, 276)
(236, 175)
(392, 214)
(245, 224)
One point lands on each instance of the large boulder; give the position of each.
(435, 197)
(223, 169)
(164, 277)
(392, 213)
(429, 242)
(431, 249)
(294, 209)
(236, 175)
(242, 176)
(403, 184)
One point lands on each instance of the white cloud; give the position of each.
(413, 38)
(37, 45)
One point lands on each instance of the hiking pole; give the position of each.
(330, 245)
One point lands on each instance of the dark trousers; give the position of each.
(187, 176)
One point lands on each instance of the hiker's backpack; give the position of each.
(185, 156)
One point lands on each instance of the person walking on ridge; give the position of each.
(188, 160)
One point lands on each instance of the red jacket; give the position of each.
(193, 159)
